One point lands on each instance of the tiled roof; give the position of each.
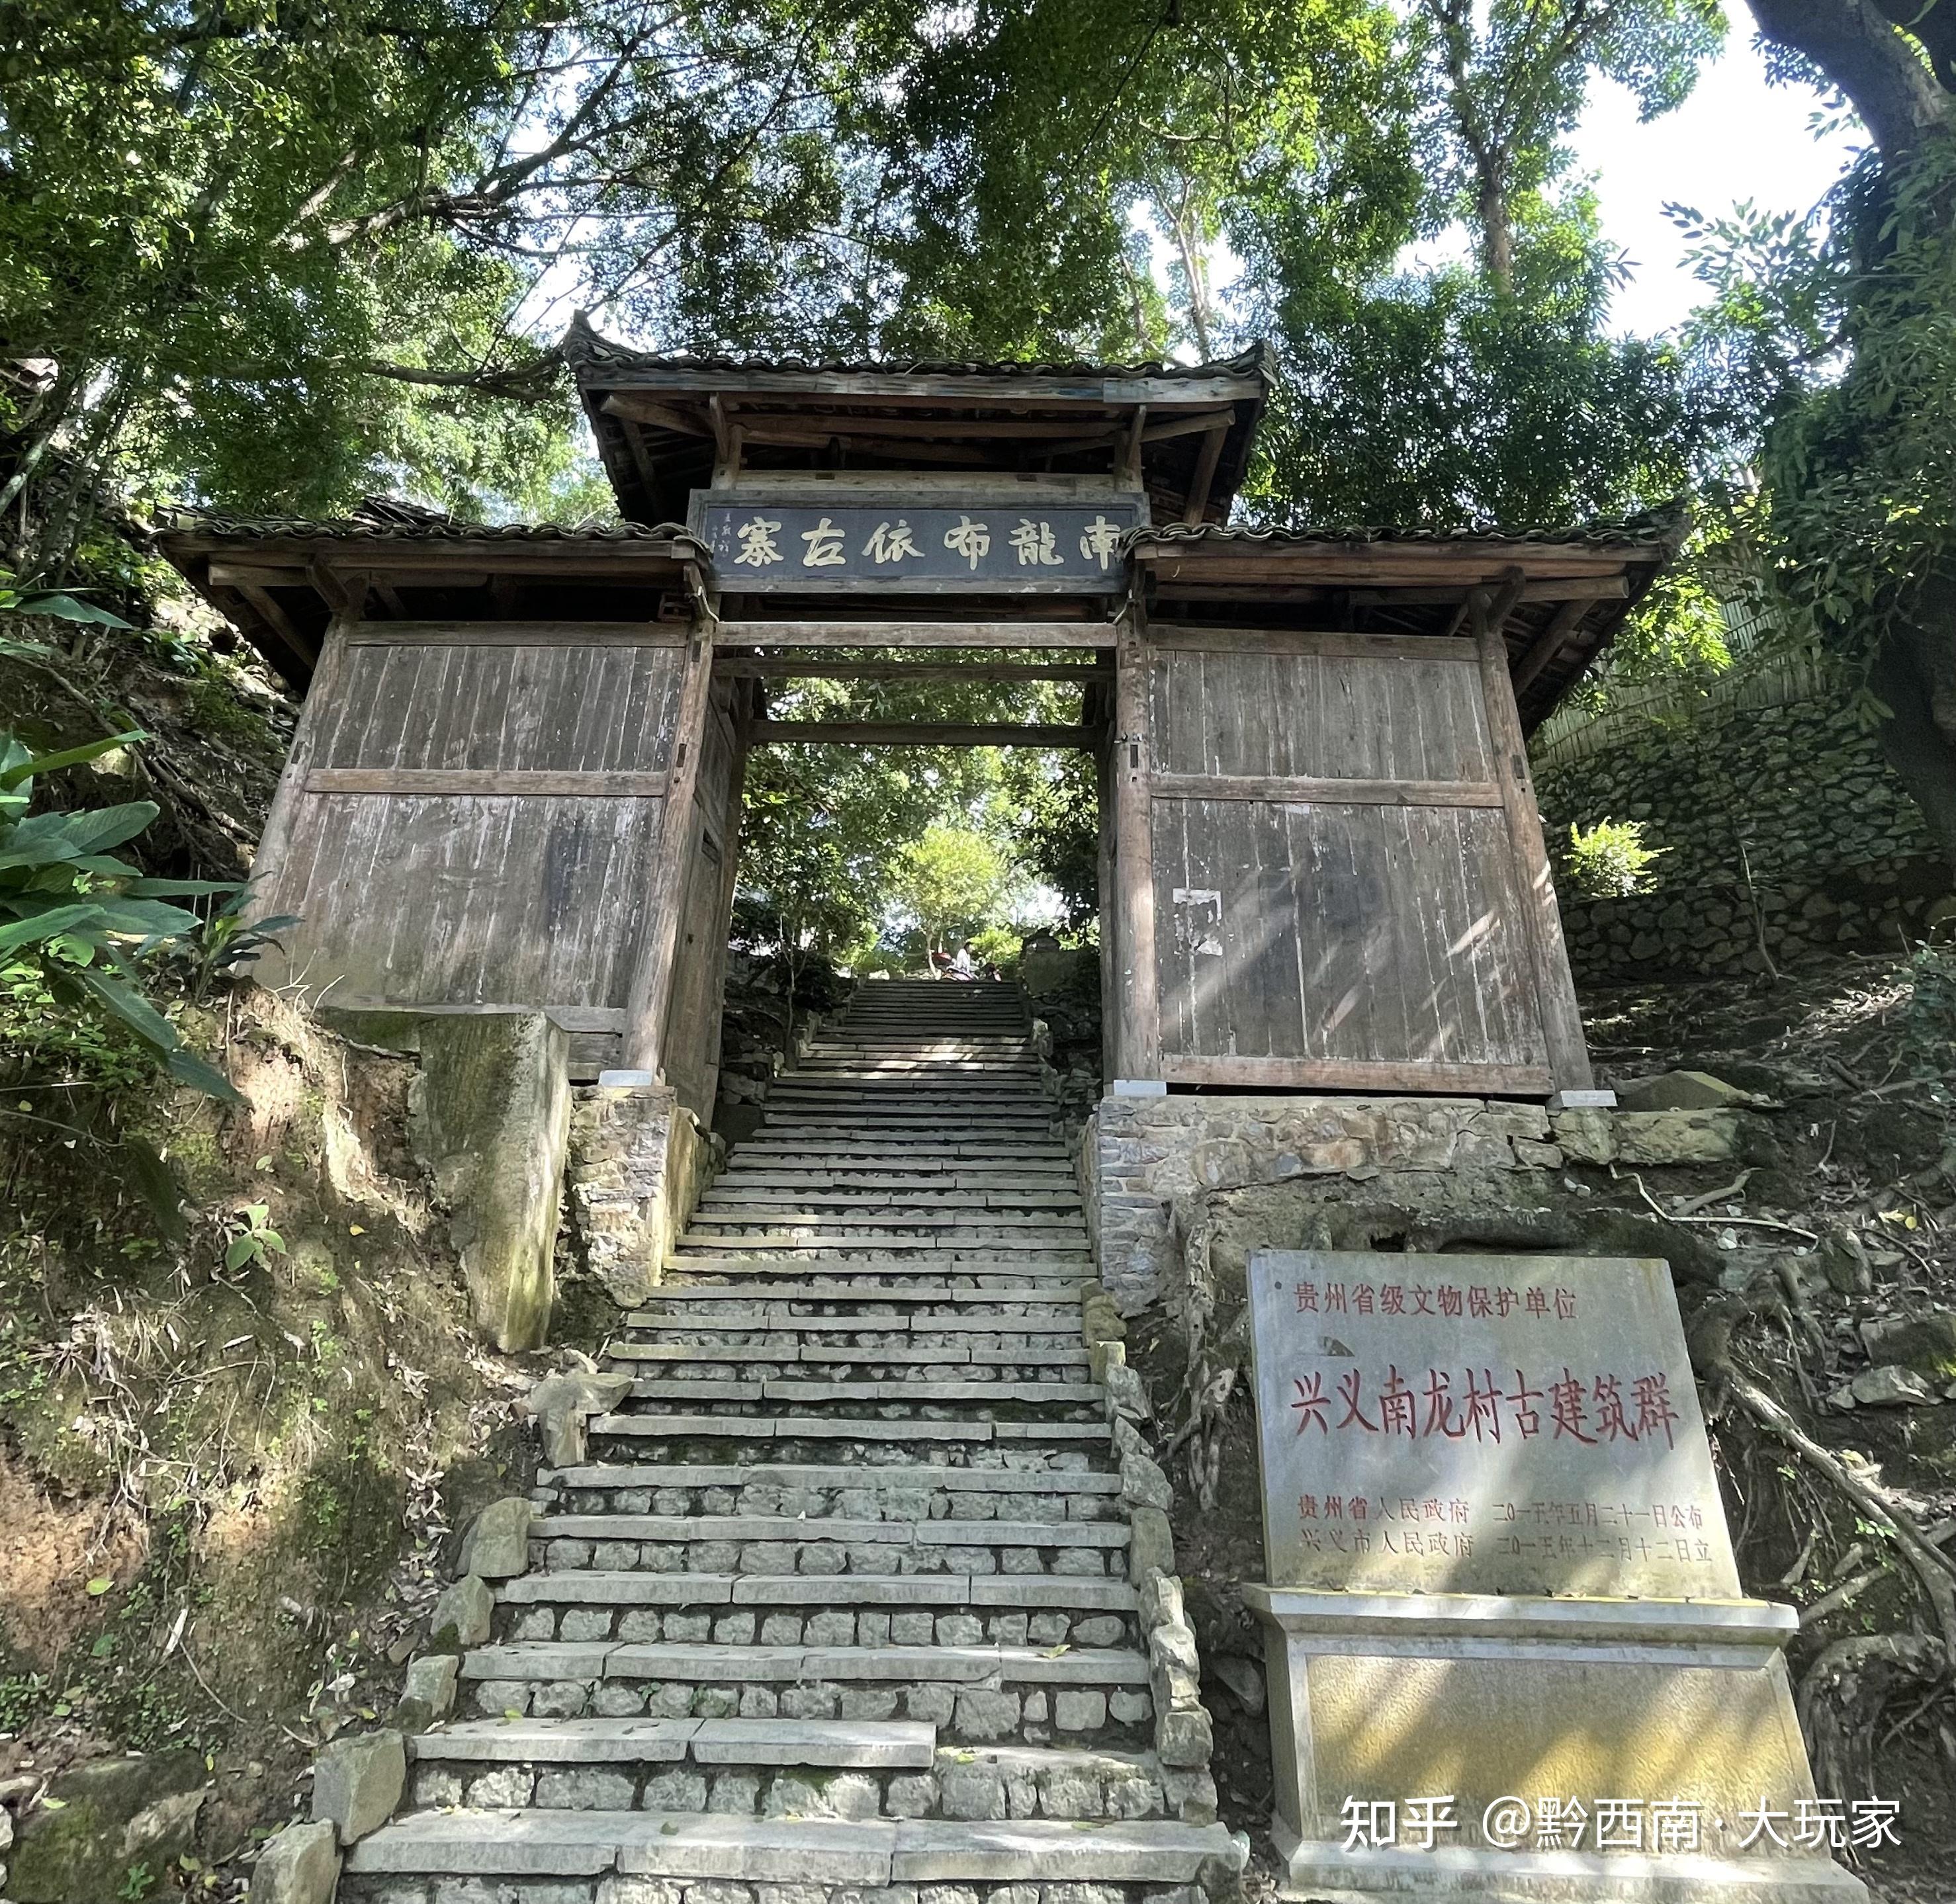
(1656, 529)
(582, 346)
(387, 519)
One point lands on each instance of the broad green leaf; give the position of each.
(240, 1251)
(187, 1068)
(180, 888)
(48, 925)
(63, 607)
(129, 1005)
(146, 918)
(17, 764)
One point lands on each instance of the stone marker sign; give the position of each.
(1501, 1595)
(1482, 1425)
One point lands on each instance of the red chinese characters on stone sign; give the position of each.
(1591, 1410)
(1441, 1299)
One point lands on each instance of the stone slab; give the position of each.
(1483, 1425)
(592, 1586)
(937, 1851)
(561, 1742)
(903, 1744)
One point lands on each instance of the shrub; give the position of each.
(1610, 859)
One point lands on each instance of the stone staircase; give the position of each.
(839, 1600)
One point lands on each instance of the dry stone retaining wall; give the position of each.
(1780, 825)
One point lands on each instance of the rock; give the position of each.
(489, 1116)
(1681, 1091)
(461, 1616)
(497, 1544)
(432, 1679)
(114, 1814)
(1150, 1543)
(1676, 1136)
(1244, 1677)
(1843, 1261)
(1586, 1137)
(563, 1405)
(299, 1865)
(357, 1782)
(1143, 1483)
(1102, 1356)
(1887, 1387)
(1926, 1344)
(1125, 1394)
(1184, 1736)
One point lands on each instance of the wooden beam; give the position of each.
(1362, 1074)
(1548, 644)
(651, 997)
(950, 428)
(1283, 789)
(1197, 506)
(1589, 588)
(1026, 634)
(919, 733)
(1131, 453)
(635, 407)
(1203, 422)
(429, 782)
(1184, 637)
(1555, 988)
(288, 631)
(1137, 997)
(784, 668)
(410, 633)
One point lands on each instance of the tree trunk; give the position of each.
(1497, 231)
(1914, 672)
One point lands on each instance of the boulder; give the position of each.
(1887, 1387)
(461, 1616)
(357, 1781)
(564, 1403)
(1143, 1484)
(1676, 1136)
(111, 1817)
(497, 1544)
(1926, 1344)
(431, 1679)
(1681, 1091)
(1150, 1543)
(299, 1865)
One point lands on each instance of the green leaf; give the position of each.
(64, 607)
(147, 918)
(97, 1586)
(48, 925)
(17, 764)
(124, 1002)
(187, 1068)
(180, 888)
(240, 1251)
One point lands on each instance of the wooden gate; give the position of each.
(1347, 885)
(473, 815)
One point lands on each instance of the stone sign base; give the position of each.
(1669, 1723)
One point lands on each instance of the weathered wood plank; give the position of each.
(1138, 998)
(1029, 633)
(1540, 919)
(1184, 637)
(430, 782)
(518, 634)
(1326, 792)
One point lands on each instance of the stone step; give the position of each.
(1056, 1326)
(851, 1229)
(898, 1147)
(833, 1854)
(756, 1766)
(871, 1256)
(807, 1529)
(798, 1479)
(802, 1427)
(1020, 1592)
(731, 1194)
(732, 1216)
(734, 1351)
(651, 1425)
(817, 1661)
(998, 1300)
(825, 1391)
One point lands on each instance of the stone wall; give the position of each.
(1782, 828)
(1151, 1168)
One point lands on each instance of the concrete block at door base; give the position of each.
(1679, 1714)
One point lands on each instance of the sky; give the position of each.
(1736, 138)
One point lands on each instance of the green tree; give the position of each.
(953, 881)
(1829, 337)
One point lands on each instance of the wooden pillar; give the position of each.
(1110, 926)
(730, 881)
(651, 983)
(1555, 988)
(1136, 999)
(271, 891)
